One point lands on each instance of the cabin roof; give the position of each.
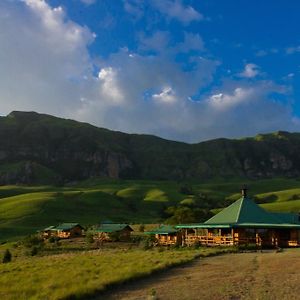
(246, 213)
(112, 227)
(163, 229)
(243, 210)
(66, 226)
(49, 228)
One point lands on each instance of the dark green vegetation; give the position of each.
(41, 149)
(24, 210)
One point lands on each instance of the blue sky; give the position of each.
(183, 70)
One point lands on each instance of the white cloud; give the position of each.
(175, 9)
(158, 41)
(43, 57)
(250, 71)
(167, 95)
(191, 42)
(226, 101)
(46, 67)
(109, 87)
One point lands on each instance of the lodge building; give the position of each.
(244, 222)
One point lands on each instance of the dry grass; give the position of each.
(260, 276)
(67, 276)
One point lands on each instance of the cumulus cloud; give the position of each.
(250, 71)
(46, 67)
(43, 57)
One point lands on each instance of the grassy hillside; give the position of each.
(24, 210)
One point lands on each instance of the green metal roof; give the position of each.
(240, 225)
(163, 229)
(203, 225)
(49, 228)
(246, 213)
(66, 226)
(243, 210)
(110, 227)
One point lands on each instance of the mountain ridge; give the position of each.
(40, 148)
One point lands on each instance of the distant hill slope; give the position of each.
(25, 209)
(41, 149)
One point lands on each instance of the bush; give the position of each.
(148, 242)
(33, 240)
(89, 238)
(136, 238)
(197, 244)
(142, 228)
(53, 239)
(34, 251)
(6, 256)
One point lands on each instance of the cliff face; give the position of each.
(37, 148)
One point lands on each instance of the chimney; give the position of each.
(244, 191)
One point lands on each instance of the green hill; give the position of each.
(24, 210)
(41, 149)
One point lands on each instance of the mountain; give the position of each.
(43, 149)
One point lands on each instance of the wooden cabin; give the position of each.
(108, 232)
(48, 232)
(69, 230)
(243, 223)
(166, 235)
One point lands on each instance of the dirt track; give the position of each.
(266, 275)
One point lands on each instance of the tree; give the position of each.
(6, 256)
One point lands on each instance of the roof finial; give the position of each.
(244, 191)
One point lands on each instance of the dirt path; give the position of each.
(234, 276)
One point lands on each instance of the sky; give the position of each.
(180, 69)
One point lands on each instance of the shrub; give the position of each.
(148, 242)
(33, 240)
(136, 238)
(53, 239)
(142, 228)
(197, 244)
(6, 256)
(90, 238)
(34, 251)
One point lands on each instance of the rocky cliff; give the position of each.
(38, 148)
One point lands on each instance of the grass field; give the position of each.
(24, 210)
(244, 276)
(78, 275)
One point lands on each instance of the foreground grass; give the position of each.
(79, 275)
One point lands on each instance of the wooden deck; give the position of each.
(190, 240)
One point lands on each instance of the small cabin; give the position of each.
(166, 235)
(48, 232)
(110, 232)
(64, 231)
(69, 230)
